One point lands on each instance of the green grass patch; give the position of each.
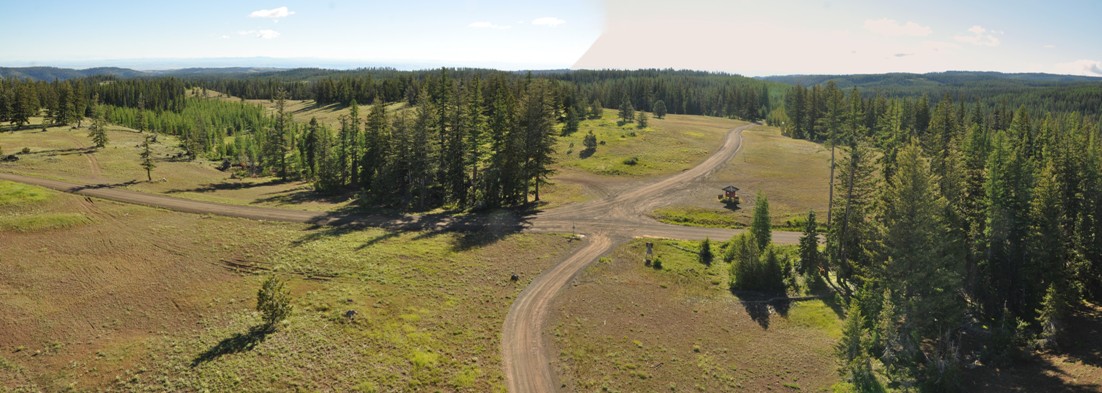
(698, 217)
(816, 314)
(41, 222)
(668, 145)
(22, 194)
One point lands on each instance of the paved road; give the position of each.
(608, 222)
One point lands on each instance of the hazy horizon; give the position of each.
(739, 37)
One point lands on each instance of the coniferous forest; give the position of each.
(950, 216)
(468, 138)
(961, 218)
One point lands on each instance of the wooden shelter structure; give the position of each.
(730, 195)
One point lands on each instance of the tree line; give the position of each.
(68, 102)
(682, 92)
(948, 217)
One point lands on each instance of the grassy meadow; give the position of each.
(64, 153)
(626, 327)
(131, 298)
(793, 174)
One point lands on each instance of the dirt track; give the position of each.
(608, 222)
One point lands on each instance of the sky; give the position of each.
(748, 37)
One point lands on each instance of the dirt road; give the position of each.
(609, 221)
(524, 350)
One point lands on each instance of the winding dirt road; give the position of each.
(608, 222)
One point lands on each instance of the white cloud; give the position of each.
(263, 34)
(1050, 46)
(1080, 67)
(892, 28)
(274, 13)
(980, 36)
(548, 21)
(488, 25)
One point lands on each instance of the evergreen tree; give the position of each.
(811, 260)
(761, 226)
(572, 123)
(851, 234)
(24, 105)
(745, 261)
(477, 139)
(312, 148)
(1003, 272)
(353, 144)
(421, 167)
(590, 143)
(273, 301)
(281, 135)
(5, 103)
(374, 151)
(852, 350)
(98, 130)
(641, 120)
(660, 109)
(1052, 316)
(704, 254)
(596, 110)
(627, 111)
(139, 118)
(536, 122)
(922, 268)
(146, 157)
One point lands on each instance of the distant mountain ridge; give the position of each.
(57, 73)
(933, 79)
(888, 81)
(52, 73)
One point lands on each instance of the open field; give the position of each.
(627, 327)
(794, 175)
(63, 153)
(135, 298)
(303, 110)
(665, 147)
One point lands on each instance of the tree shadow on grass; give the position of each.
(301, 195)
(474, 229)
(103, 185)
(226, 186)
(1082, 340)
(1034, 375)
(63, 152)
(240, 342)
(835, 304)
(761, 305)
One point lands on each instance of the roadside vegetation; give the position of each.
(673, 324)
(113, 304)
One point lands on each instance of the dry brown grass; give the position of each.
(625, 327)
(794, 175)
(65, 154)
(144, 299)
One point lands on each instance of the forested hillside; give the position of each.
(951, 218)
(470, 138)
